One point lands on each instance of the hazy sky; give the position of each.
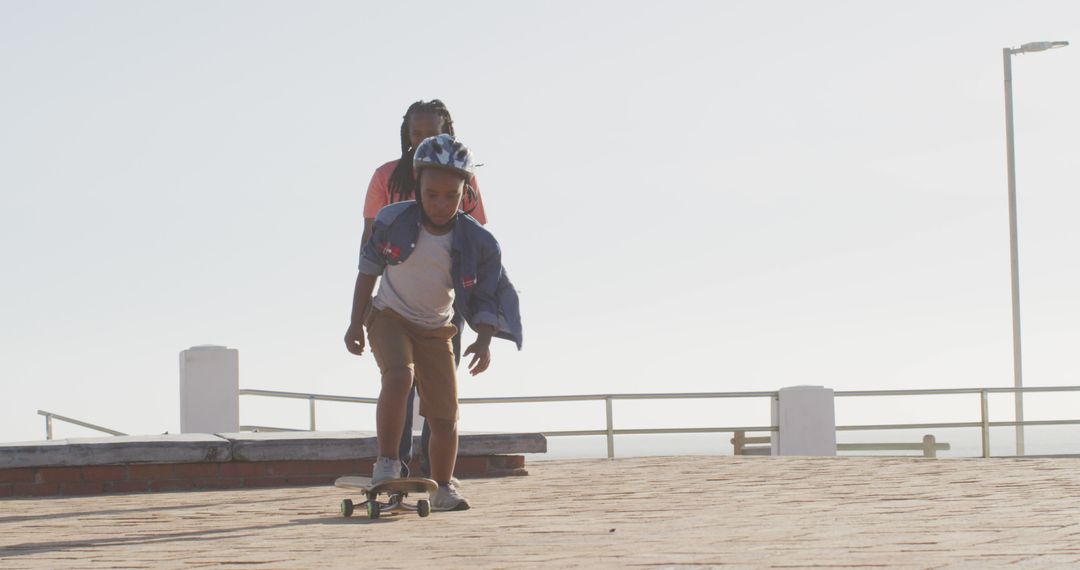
(691, 196)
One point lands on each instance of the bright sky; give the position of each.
(691, 196)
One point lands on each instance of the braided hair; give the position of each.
(402, 184)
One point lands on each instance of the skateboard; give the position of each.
(395, 490)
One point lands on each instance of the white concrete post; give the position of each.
(209, 390)
(806, 417)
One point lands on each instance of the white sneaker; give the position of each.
(448, 499)
(385, 469)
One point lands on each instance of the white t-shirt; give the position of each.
(420, 289)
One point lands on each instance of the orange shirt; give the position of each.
(378, 194)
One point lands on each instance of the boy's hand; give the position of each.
(481, 359)
(354, 339)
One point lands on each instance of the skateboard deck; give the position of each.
(396, 490)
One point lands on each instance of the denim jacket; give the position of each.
(483, 294)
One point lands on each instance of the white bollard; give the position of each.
(209, 390)
(806, 416)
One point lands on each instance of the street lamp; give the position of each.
(1018, 376)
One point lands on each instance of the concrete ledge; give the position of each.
(498, 443)
(226, 447)
(343, 445)
(181, 448)
(139, 464)
(302, 445)
(156, 477)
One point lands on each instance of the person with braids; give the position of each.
(395, 182)
(433, 265)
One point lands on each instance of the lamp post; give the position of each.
(1018, 375)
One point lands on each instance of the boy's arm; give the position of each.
(354, 336)
(481, 349)
(375, 239)
(485, 309)
(372, 265)
(369, 224)
(485, 306)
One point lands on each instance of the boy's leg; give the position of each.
(437, 383)
(444, 446)
(390, 412)
(393, 350)
(425, 434)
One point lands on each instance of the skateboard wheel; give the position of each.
(373, 510)
(423, 507)
(346, 508)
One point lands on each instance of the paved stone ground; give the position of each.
(717, 511)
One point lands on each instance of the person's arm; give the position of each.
(477, 205)
(354, 336)
(377, 198)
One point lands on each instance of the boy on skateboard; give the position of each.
(434, 261)
(394, 182)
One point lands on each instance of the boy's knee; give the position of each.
(442, 426)
(397, 378)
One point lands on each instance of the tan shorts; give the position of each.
(398, 343)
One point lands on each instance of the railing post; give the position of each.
(610, 429)
(929, 443)
(985, 406)
(48, 426)
(311, 410)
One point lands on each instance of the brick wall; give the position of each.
(157, 477)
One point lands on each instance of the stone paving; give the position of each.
(691, 511)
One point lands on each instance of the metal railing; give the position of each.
(311, 398)
(49, 417)
(610, 431)
(757, 445)
(984, 424)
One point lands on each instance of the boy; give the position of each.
(434, 261)
(394, 182)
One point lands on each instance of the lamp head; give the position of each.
(1033, 47)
